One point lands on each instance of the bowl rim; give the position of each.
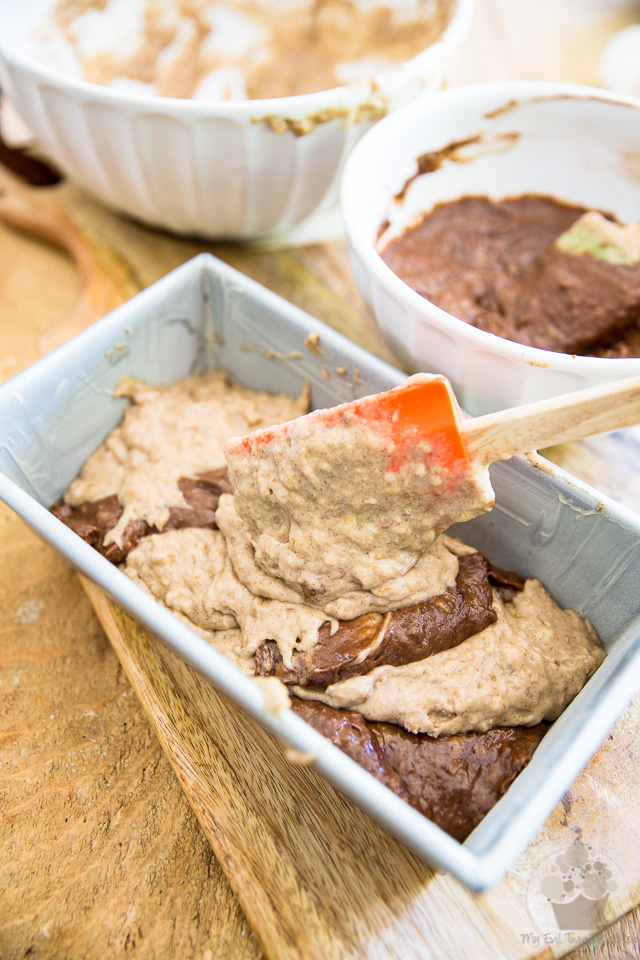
(364, 247)
(345, 96)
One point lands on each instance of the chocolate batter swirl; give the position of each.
(402, 636)
(93, 520)
(452, 780)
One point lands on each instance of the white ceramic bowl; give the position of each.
(235, 169)
(578, 144)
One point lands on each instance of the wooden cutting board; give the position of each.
(101, 852)
(313, 876)
(317, 879)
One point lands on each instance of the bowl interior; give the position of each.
(234, 50)
(582, 150)
(573, 143)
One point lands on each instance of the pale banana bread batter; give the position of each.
(524, 666)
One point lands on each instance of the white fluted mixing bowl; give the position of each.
(233, 169)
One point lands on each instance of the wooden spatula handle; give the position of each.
(572, 416)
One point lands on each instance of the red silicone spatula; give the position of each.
(353, 495)
(426, 408)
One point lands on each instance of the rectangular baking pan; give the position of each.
(546, 524)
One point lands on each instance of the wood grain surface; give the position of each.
(101, 853)
(317, 878)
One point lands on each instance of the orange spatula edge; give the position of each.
(426, 410)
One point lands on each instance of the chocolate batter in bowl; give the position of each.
(497, 266)
(451, 210)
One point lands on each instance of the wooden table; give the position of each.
(101, 852)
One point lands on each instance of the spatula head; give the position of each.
(604, 239)
(423, 409)
(350, 498)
